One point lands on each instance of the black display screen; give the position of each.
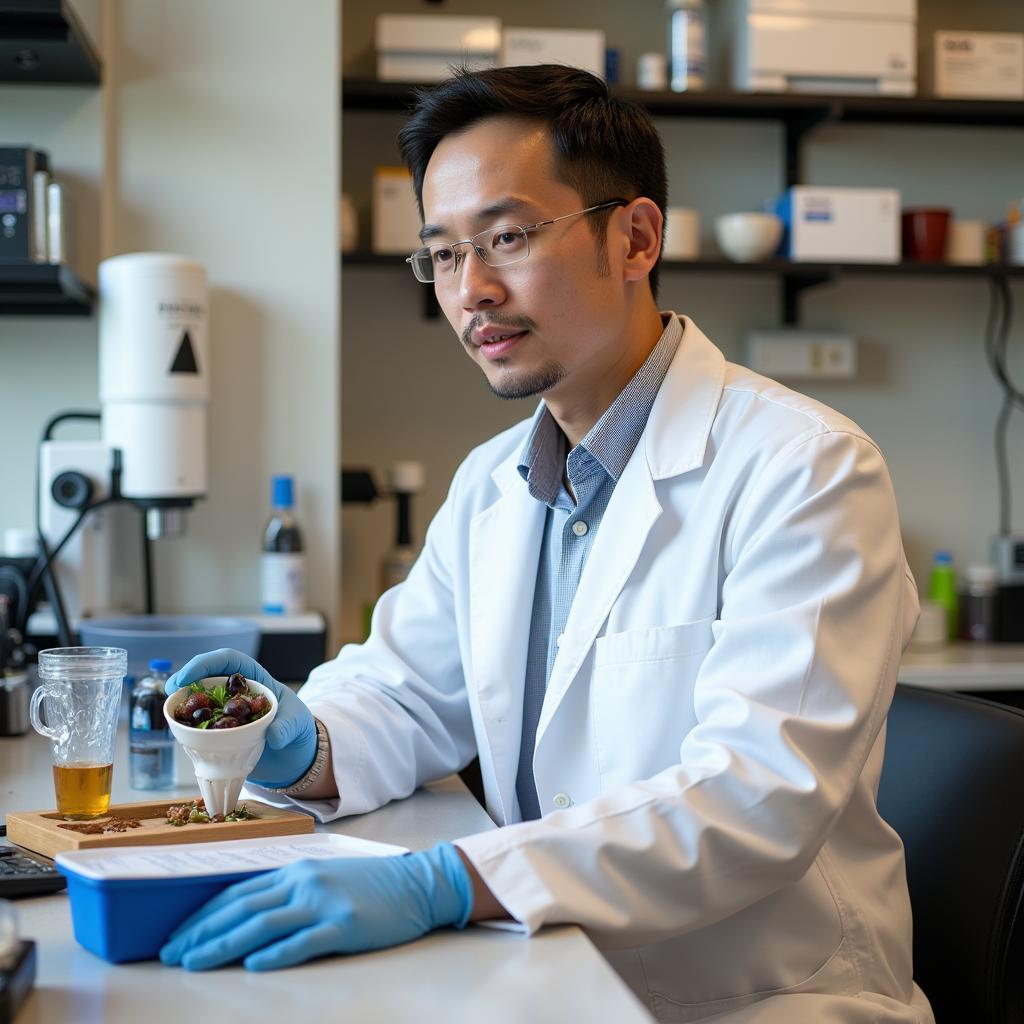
(13, 200)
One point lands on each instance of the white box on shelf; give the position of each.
(396, 218)
(577, 48)
(850, 225)
(802, 354)
(424, 47)
(979, 65)
(828, 46)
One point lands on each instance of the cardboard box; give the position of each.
(979, 65)
(396, 218)
(577, 48)
(850, 225)
(425, 47)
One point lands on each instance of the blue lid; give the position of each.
(160, 664)
(944, 557)
(281, 491)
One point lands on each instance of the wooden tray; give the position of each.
(40, 830)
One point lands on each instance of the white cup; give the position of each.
(682, 233)
(932, 630)
(652, 71)
(965, 242)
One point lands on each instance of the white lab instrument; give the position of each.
(154, 388)
(824, 46)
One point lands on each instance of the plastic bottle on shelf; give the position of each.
(283, 564)
(978, 604)
(150, 743)
(687, 44)
(942, 590)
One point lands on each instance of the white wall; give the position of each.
(215, 134)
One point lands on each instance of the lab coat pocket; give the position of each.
(641, 697)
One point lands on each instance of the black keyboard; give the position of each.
(27, 874)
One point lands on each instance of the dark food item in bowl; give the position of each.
(224, 707)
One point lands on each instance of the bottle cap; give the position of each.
(943, 557)
(160, 664)
(281, 491)
(983, 574)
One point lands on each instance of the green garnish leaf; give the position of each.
(196, 688)
(219, 694)
(203, 725)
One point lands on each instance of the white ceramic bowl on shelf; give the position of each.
(748, 237)
(222, 758)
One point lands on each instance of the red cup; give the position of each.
(924, 234)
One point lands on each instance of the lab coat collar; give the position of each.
(676, 436)
(679, 426)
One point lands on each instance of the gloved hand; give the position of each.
(291, 736)
(314, 907)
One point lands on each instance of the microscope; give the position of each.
(149, 462)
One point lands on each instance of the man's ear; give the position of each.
(643, 228)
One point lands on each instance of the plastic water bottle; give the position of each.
(150, 743)
(687, 44)
(942, 590)
(283, 565)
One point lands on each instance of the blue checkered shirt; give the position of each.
(593, 468)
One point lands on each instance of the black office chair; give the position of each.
(953, 788)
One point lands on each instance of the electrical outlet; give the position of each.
(802, 354)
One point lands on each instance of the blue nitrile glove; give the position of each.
(315, 907)
(291, 736)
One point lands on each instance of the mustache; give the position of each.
(517, 323)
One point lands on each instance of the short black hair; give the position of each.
(605, 147)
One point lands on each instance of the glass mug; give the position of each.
(81, 687)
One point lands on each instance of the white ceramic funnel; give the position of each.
(222, 758)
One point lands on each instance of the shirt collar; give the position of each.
(612, 440)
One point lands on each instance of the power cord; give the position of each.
(46, 557)
(997, 335)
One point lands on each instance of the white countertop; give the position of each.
(965, 666)
(466, 977)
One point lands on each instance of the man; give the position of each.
(666, 612)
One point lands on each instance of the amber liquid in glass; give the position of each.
(83, 790)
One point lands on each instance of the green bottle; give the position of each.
(942, 590)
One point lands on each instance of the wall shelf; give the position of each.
(797, 109)
(43, 43)
(794, 277)
(43, 289)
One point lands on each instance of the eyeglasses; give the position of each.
(497, 247)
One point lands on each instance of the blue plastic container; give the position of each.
(126, 901)
(175, 637)
(122, 920)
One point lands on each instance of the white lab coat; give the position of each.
(711, 739)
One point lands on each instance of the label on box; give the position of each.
(979, 65)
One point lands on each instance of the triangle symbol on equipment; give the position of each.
(185, 359)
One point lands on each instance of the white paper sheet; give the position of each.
(193, 860)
